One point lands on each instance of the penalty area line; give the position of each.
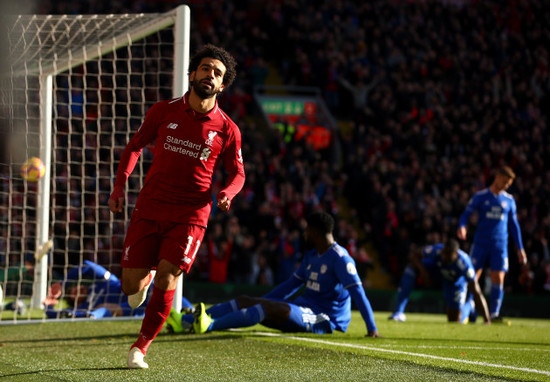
(392, 351)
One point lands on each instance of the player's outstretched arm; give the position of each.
(361, 301)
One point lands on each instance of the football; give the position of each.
(33, 169)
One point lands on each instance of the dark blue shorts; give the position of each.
(495, 253)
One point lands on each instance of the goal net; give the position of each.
(76, 88)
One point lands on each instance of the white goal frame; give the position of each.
(46, 68)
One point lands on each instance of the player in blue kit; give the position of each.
(497, 216)
(330, 278)
(454, 268)
(94, 292)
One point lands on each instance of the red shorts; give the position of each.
(148, 241)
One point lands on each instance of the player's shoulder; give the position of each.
(339, 251)
(229, 124)
(164, 105)
(483, 193)
(464, 260)
(339, 254)
(432, 249)
(507, 195)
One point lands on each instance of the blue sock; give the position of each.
(100, 313)
(220, 310)
(216, 311)
(242, 318)
(497, 293)
(405, 288)
(467, 308)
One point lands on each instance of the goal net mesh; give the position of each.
(107, 70)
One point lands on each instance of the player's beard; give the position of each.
(203, 92)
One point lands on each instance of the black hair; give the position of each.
(215, 52)
(320, 221)
(451, 246)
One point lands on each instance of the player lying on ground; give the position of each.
(331, 281)
(92, 291)
(454, 267)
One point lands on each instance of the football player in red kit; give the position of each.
(191, 134)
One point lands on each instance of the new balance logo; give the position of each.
(172, 125)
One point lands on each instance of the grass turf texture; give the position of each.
(425, 348)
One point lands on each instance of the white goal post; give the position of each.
(77, 88)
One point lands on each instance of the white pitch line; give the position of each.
(266, 334)
(464, 347)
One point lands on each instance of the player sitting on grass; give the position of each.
(92, 291)
(331, 281)
(454, 267)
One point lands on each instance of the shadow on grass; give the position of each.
(61, 370)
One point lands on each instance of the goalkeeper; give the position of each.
(331, 282)
(92, 291)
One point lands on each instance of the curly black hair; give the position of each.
(320, 221)
(212, 51)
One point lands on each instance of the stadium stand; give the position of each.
(430, 96)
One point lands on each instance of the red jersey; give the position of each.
(188, 147)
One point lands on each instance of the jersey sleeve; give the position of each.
(286, 289)
(233, 163)
(346, 272)
(429, 254)
(362, 302)
(145, 135)
(466, 266)
(513, 225)
(470, 208)
(88, 270)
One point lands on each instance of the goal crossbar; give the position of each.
(36, 51)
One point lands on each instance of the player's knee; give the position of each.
(244, 301)
(128, 288)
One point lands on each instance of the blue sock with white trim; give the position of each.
(215, 311)
(497, 293)
(239, 319)
(467, 309)
(220, 310)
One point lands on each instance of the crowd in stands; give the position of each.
(431, 97)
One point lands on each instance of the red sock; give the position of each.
(156, 312)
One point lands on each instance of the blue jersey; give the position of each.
(105, 287)
(458, 273)
(496, 214)
(327, 278)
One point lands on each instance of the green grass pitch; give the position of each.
(425, 348)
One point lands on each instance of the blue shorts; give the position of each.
(305, 320)
(496, 254)
(455, 296)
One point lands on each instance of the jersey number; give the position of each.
(189, 259)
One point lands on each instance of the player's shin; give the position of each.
(156, 313)
(223, 308)
(495, 302)
(405, 288)
(242, 318)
